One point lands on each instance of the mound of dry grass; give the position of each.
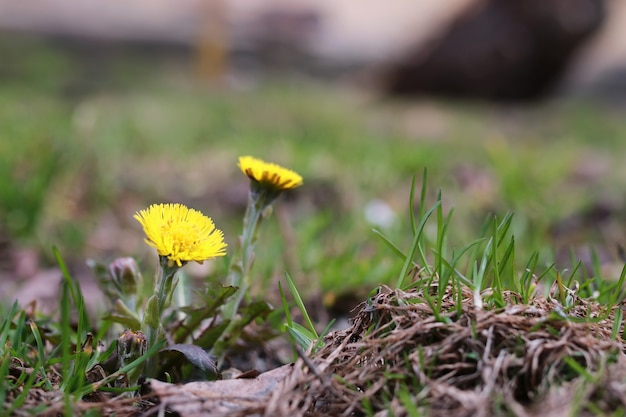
(396, 359)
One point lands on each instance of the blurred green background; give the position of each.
(89, 136)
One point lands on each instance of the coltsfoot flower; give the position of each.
(181, 234)
(267, 182)
(269, 174)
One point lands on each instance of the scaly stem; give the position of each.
(239, 273)
(241, 264)
(163, 287)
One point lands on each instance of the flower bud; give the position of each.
(126, 275)
(130, 346)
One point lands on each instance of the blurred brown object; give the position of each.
(212, 42)
(500, 49)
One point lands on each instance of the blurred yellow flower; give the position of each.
(181, 234)
(268, 174)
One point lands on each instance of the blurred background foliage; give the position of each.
(92, 131)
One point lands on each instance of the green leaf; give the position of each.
(214, 297)
(249, 313)
(123, 315)
(125, 321)
(253, 311)
(210, 335)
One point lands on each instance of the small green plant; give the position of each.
(181, 235)
(157, 335)
(267, 182)
(74, 366)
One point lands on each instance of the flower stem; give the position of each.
(240, 266)
(239, 273)
(164, 286)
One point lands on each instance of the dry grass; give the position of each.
(396, 359)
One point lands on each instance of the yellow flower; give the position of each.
(180, 233)
(268, 174)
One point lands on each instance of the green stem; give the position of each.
(166, 285)
(239, 273)
(241, 264)
(160, 300)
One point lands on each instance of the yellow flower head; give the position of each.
(180, 233)
(268, 174)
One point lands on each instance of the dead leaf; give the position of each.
(217, 398)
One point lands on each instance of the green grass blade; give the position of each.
(617, 323)
(578, 368)
(526, 279)
(6, 324)
(301, 335)
(300, 304)
(439, 243)
(66, 357)
(390, 244)
(422, 196)
(19, 400)
(41, 353)
(408, 402)
(75, 292)
(414, 247)
(616, 292)
(285, 305)
(89, 388)
(412, 203)
(460, 277)
(5, 361)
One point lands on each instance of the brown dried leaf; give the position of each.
(218, 398)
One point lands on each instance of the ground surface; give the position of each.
(121, 136)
